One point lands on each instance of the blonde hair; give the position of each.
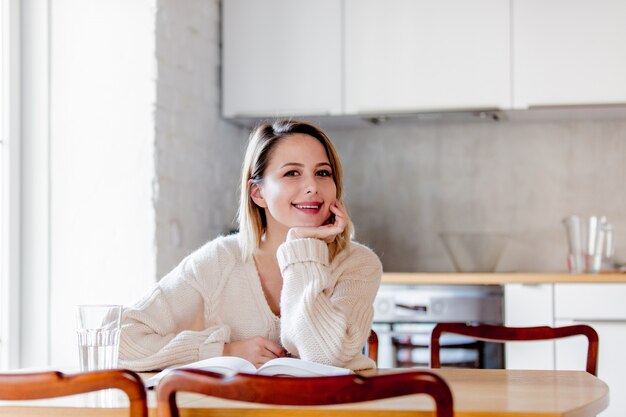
(262, 142)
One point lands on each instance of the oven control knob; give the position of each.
(438, 307)
(384, 307)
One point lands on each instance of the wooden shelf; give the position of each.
(448, 278)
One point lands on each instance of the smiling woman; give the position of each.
(291, 283)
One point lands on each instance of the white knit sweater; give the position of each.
(212, 297)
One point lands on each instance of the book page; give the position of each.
(225, 365)
(230, 365)
(300, 367)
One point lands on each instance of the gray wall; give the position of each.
(407, 182)
(198, 155)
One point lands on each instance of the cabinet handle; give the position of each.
(413, 307)
(378, 116)
(575, 106)
(599, 321)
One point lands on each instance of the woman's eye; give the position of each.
(291, 173)
(324, 173)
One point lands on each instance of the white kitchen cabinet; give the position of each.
(331, 57)
(571, 354)
(281, 57)
(602, 307)
(590, 301)
(529, 305)
(411, 55)
(381, 57)
(568, 52)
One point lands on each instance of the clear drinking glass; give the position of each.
(576, 256)
(98, 331)
(590, 241)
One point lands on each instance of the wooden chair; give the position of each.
(372, 346)
(505, 334)
(32, 386)
(308, 391)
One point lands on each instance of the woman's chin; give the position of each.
(308, 224)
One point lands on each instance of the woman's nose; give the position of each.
(311, 186)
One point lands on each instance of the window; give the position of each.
(9, 168)
(3, 134)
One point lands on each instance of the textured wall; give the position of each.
(198, 156)
(406, 183)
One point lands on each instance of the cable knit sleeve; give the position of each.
(167, 327)
(327, 309)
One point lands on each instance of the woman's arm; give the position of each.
(167, 327)
(326, 314)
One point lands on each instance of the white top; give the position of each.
(212, 297)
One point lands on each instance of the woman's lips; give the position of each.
(309, 208)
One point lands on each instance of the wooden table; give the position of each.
(476, 393)
(500, 278)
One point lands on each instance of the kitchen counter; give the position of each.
(451, 278)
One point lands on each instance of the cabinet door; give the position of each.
(569, 52)
(590, 301)
(571, 354)
(529, 305)
(407, 55)
(281, 57)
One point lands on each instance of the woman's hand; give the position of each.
(326, 232)
(257, 350)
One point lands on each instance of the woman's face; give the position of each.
(298, 186)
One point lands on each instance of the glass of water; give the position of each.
(98, 330)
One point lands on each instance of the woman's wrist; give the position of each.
(304, 249)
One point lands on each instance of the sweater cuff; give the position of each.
(214, 344)
(302, 250)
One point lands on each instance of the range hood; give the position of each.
(365, 120)
(487, 115)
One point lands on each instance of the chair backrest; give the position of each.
(33, 386)
(372, 346)
(309, 391)
(506, 334)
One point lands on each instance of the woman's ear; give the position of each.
(257, 197)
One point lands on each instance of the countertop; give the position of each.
(451, 278)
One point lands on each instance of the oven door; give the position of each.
(402, 345)
(404, 316)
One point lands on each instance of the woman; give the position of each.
(290, 283)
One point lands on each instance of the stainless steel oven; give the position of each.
(404, 316)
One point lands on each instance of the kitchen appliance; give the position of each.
(405, 314)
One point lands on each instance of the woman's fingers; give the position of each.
(325, 232)
(257, 350)
(341, 216)
(275, 350)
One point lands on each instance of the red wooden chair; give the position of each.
(504, 334)
(372, 346)
(33, 386)
(309, 391)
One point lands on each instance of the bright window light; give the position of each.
(3, 135)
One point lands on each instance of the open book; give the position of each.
(230, 365)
